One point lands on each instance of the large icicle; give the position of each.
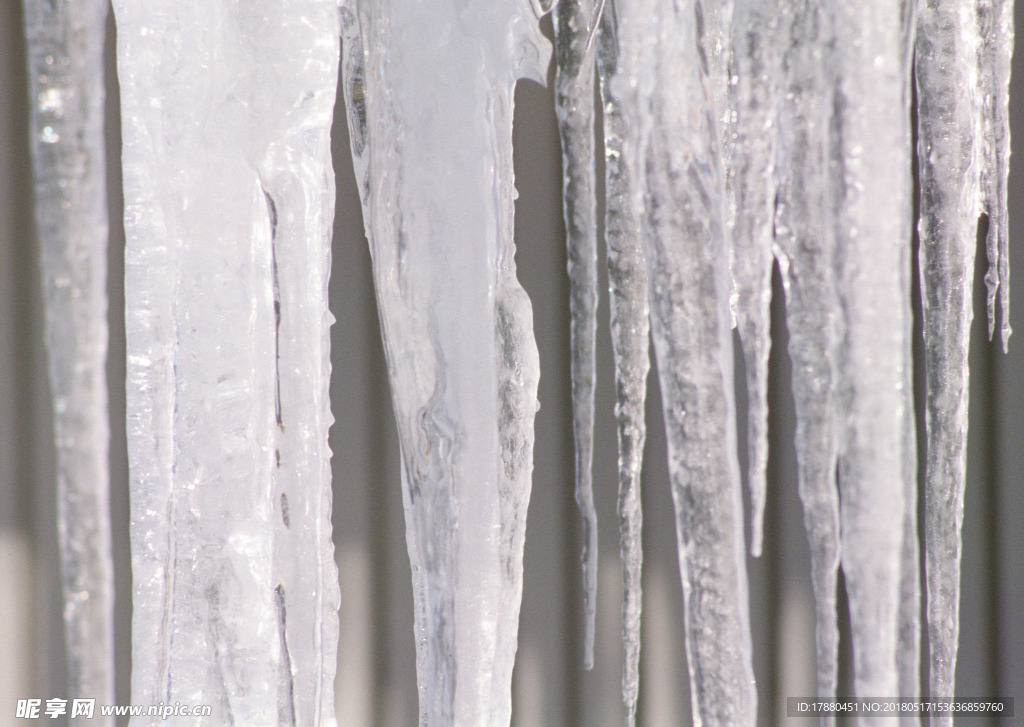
(872, 157)
(995, 48)
(671, 119)
(948, 149)
(228, 210)
(65, 59)
(429, 91)
(630, 328)
(574, 105)
(805, 248)
(751, 156)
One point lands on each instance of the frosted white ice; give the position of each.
(872, 161)
(630, 329)
(226, 112)
(574, 106)
(666, 85)
(429, 94)
(65, 61)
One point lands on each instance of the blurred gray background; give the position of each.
(376, 674)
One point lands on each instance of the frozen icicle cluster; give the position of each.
(736, 134)
(65, 58)
(429, 93)
(781, 131)
(228, 209)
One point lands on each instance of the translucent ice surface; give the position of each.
(666, 84)
(630, 329)
(574, 106)
(65, 59)
(429, 91)
(228, 210)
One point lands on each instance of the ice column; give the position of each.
(751, 156)
(805, 249)
(429, 93)
(228, 210)
(671, 103)
(65, 59)
(574, 106)
(630, 329)
(872, 194)
(946, 75)
(961, 66)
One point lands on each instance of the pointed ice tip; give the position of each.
(1006, 331)
(756, 539)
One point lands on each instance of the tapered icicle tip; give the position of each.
(588, 560)
(757, 531)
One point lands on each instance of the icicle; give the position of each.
(65, 59)
(228, 212)
(574, 105)
(433, 131)
(908, 638)
(671, 120)
(805, 248)
(948, 147)
(751, 156)
(630, 312)
(995, 47)
(872, 158)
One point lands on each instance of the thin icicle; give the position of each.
(228, 211)
(751, 154)
(431, 128)
(948, 147)
(574, 106)
(805, 247)
(65, 59)
(872, 157)
(630, 327)
(671, 119)
(995, 48)
(908, 643)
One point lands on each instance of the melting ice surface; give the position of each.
(228, 210)
(429, 91)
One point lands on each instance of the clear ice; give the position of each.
(429, 94)
(65, 60)
(630, 329)
(574, 107)
(228, 211)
